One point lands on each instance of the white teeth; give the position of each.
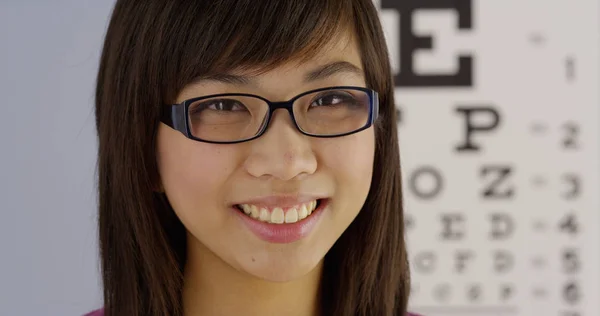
(264, 215)
(277, 215)
(291, 216)
(303, 213)
(246, 208)
(254, 211)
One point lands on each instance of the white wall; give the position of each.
(48, 58)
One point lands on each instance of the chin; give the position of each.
(281, 276)
(283, 272)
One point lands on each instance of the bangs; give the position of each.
(221, 36)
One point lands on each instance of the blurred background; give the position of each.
(498, 126)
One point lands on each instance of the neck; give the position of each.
(213, 287)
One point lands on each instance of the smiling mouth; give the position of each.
(280, 215)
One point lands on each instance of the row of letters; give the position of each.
(503, 261)
(497, 182)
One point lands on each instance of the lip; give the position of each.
(283, 233)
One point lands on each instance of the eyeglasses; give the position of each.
(236, 117)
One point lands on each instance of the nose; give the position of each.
(282, 152)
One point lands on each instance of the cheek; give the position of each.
(192, 172)
(350, 161)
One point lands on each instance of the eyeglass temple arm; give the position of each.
(375, 101)
(172, 116)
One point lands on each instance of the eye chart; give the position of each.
(498, 127)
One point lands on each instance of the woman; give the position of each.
(217, 198)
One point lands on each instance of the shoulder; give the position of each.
(100, 312)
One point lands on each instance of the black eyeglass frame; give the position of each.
(176, 115)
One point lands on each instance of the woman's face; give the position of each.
(282, 172)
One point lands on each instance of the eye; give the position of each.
(217, 106)
(223, 105)
(333, 98)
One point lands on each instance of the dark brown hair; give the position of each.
(152, 49)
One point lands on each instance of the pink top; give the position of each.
(100, 312)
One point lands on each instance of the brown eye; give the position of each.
(332, 99)
(222, 105)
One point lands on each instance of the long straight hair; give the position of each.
(152, 49)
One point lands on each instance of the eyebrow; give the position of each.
(319, 73)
